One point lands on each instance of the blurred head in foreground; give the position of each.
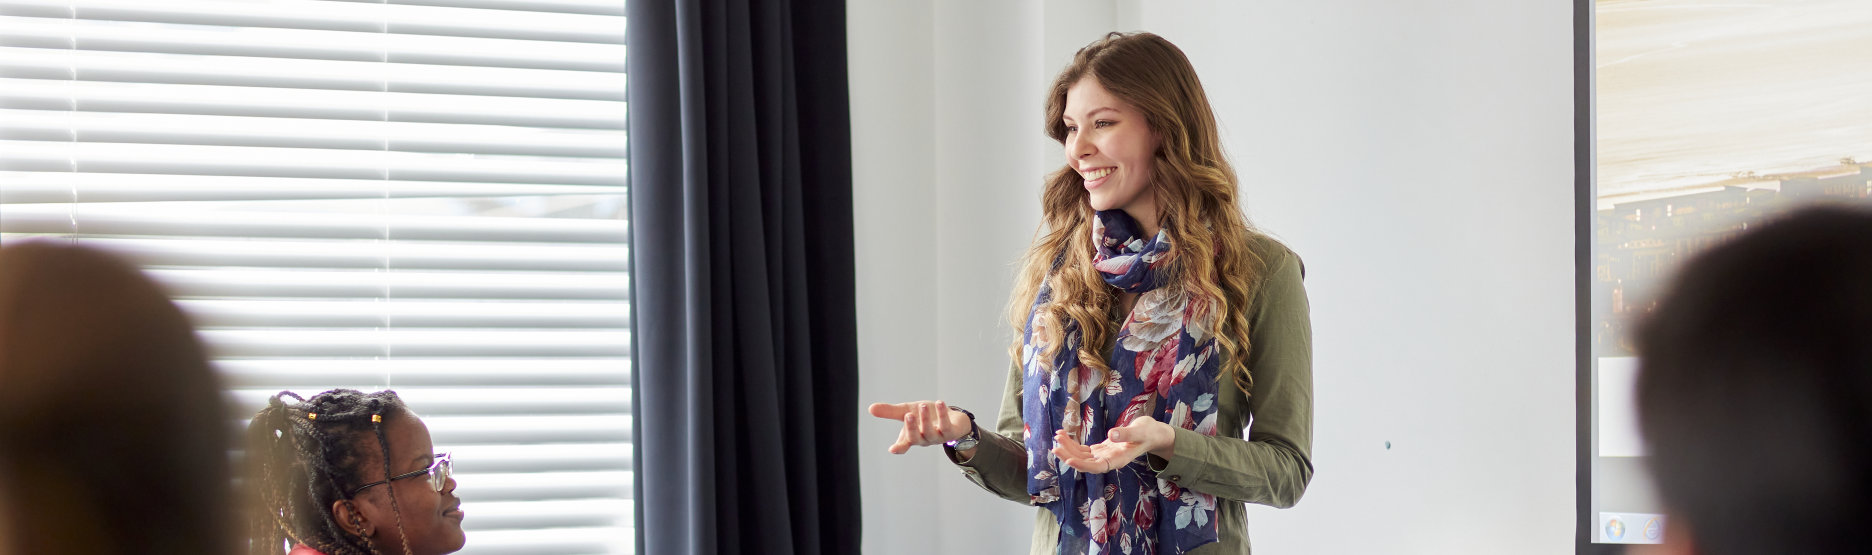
(1755, 390)
(113, 436)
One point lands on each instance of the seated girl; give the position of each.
(319, 480)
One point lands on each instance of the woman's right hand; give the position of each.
(924, 423)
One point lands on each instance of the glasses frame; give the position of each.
(439, 472)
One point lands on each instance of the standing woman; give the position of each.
(1154, 326)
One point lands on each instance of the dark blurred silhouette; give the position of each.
(1755, 390)
(113, 430)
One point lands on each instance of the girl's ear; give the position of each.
(351, 519)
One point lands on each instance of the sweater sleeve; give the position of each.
(1272, 465)
(1000, 461)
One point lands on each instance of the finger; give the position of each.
(941, 420)
(1062, 441)
(1088, 466)
(889, 410)
(1118, 433)
(1070, 450)
(920, 411)
(921, 431)
(1084, 459)
(932, 423)
(1102, 460)
(1072, 446)
(903, 442)
(1064, 456)
(1066, 439)
(913, 425)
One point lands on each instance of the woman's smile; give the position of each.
(1096, 177)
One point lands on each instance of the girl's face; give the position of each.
(431, 519)
(1111, 146)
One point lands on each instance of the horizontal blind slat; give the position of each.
(364, 254)
(484, 401)
(308, 162)
(293, 73)
(496, 515)
(418, 342)
(546, 457)
(552, 541)
(592, 7)
(52, 187)
(272, 313)
(284, 373)
(54, 125)
(169, 38)
(339, 16)
(128, 219)
(529, 429)
(523, 486)
(219, 100)
(238, 283)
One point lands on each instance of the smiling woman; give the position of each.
(1153, 324)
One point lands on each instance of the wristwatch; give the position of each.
(969, 441)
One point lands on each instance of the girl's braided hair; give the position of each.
(303, 455)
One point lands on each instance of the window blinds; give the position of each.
(424, 195)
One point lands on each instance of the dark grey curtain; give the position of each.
(746, 355)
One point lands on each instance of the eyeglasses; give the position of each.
(438, 475)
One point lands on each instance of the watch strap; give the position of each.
(970, 440)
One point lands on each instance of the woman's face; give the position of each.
(1111, 146)
(431, 519)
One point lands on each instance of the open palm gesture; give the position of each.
(1121, 446)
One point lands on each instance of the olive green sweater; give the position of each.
(1271, 467)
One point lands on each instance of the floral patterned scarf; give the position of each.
(1163, 366)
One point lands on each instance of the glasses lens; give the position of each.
(439, 477)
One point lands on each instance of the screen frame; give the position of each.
(1584, 172)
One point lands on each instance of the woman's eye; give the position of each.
(1072, 128)
(1105, 123)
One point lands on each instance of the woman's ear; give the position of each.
(351, 519)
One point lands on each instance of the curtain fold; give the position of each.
(746, 353)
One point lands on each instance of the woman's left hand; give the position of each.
(1121, 446)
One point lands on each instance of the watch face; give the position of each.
(966, 442)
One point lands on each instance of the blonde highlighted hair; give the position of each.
(1210, 258)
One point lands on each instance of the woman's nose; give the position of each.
(1077, 147)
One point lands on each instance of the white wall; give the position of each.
(1417, 154)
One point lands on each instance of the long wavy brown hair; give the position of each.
(1210, 258)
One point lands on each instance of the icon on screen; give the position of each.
(1614, 529)
(1653, 529)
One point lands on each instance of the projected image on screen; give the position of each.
(1710, 118)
